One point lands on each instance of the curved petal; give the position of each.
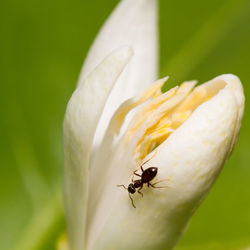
(132, 23)
(191, 158)
(235, 85)
(109, 142)
(83, 112)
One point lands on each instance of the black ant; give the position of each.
(146, 176)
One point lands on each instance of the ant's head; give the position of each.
(131, 188)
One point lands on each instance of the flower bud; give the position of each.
(187, 133)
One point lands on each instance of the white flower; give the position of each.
(111, 127)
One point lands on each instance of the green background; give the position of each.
(43, 45)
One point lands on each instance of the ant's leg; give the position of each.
(131, 200)
(134, 173)
(141, 166)
(140, 192)
(167, 179)
(153, 186)
(147, 160)
(121, 186)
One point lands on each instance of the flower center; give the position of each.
(162, 113)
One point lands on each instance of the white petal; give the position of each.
(236, 87)
(132, 23)
(192, 158)
(83, 112)
(108, 148)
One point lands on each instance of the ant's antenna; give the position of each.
(128, 195)
(121, 186)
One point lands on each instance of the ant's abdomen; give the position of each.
(149, 174)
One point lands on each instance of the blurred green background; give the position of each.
(43, 45)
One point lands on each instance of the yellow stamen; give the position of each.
(163, 113)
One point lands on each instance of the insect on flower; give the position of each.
(129, 117)
(147, 176)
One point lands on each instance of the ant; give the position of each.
(146, 176)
